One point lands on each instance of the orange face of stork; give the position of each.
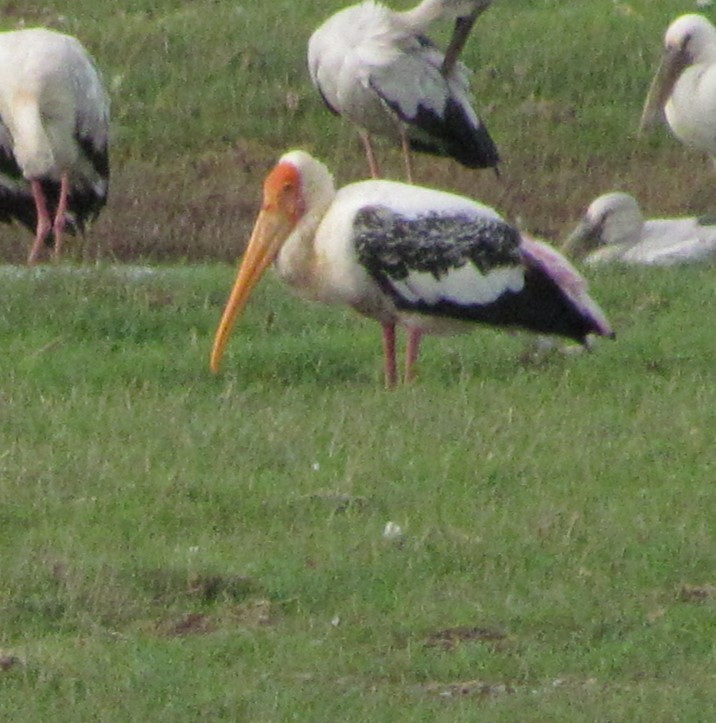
(281, 210)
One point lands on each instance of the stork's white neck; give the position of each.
(420, 17)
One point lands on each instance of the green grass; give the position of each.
(563, 501)
(178, 546)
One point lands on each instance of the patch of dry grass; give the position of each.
(206, 99)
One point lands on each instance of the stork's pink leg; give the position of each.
(43, 221)
(411, 353)
(370, 154)
(407, 156)
(59, 224)
(391, 371)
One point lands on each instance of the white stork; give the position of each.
(613, 229)
(377, 68)
(684, 86)
(54, 128)
(428, 260)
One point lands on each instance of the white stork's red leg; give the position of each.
(43, 221)
(59, 225)
(412, 351)
(370, 154)
(407, 155)
(391, 370)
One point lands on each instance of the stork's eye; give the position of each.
(291, 198)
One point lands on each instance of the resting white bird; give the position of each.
(54, 133)
(377, 68)
(428, 260)
(613, 229)
(684, 86)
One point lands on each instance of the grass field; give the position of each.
(179, 546)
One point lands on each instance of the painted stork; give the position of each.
(377, 68)
(684, 86)
(425, 259)
(613, 229)
(54, 128)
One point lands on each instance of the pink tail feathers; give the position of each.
(573, 284)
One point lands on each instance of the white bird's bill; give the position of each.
(463, 28)
(672, 65)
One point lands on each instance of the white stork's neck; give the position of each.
(295, 263)
(430, 11)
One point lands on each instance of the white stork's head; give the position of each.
(689, 40)
(297, 187)
(693, 36)
(614, 218)
(464, 12)
(449, 9)
(459, 8)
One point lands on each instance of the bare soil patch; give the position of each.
(202, 208)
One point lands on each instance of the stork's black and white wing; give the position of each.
(469, 268)
(437, 110)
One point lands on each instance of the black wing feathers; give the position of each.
(392, 247)
(453, 135)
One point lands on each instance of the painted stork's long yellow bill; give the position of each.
(270, 231)
(673, 63)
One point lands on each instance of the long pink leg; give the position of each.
(407, 156)
(43, 221)
(391, 371)
(411, 353)
(59, 225)
(370, 154)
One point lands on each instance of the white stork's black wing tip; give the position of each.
(453, 134)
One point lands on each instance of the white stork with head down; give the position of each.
(613, 229)
(684, 86)
(377, 68)
(431, 261)
(54, 132)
